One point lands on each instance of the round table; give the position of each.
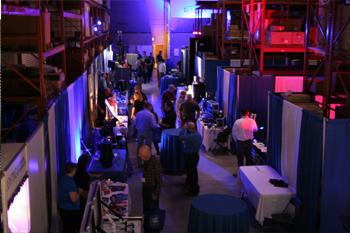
(166, 81)
(218, 213)
(172, 153)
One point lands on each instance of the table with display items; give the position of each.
(208, 135)
(265, 197)
(117, 172)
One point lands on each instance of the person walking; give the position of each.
(161, 71)
(243, 134)
(151, 180)
(193, 142)
(145, 123)
(139, 73)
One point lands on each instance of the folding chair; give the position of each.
(285, 218)
(221, 139)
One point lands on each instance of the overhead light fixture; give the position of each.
(196, 33)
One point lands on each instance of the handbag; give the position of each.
(154, 219)
(157, 135)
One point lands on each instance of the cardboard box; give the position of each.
(241, 71)
(298, 98)
(234, 27)
(313, 36)
(276, 28)
(312, 107)
(275, 14)
(278, 38)
(267, 25)
(316, 86)
(245, 34)
(207, 30)
(291, 24)
(298, 38)
(235, 33)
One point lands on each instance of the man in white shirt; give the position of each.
(243, 134)
(161, 70)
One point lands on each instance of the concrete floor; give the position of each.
(215, 176)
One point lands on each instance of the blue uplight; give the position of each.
(95, 29)
(99, 22)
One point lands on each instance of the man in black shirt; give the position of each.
(199, 90)
(187, 111)
(101, 107)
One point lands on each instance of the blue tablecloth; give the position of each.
(172, 152)
(165, 82)
(218, 213)
(117, 172)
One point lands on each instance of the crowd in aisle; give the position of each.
(147, 128)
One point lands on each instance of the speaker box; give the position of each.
(106, 155)
(121, 85)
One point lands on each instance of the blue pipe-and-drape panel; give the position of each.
(63, 142)
(273, 157)
(81, 95)
(220, 87)
(184, 64)
(233, 111)
(309, 171)
(336, 176)
(253, 94)
(210, 73)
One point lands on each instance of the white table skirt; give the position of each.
(208, 135)
(267, 199)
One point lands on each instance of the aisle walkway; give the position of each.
(214, 172)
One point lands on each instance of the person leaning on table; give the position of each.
(69, 200)
(243, 133)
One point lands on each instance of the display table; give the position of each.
(117, 172)
(208, 135)
(166, 81)
(218, 213)
(267, 199)
(172, 153)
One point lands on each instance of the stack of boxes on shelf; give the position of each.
(280, 31)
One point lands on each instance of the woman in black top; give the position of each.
(169, 118)
(138, 105)
(82, 179)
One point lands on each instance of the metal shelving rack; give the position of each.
(250, 6)
(331, 57)
(45, 53)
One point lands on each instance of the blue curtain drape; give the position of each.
(80, 94)
(232, 96)
(63, 144)
(336, 176)
(196, 71)
(220, 83)
(210, 73)
(309, 170)
(47, 168)
(273, 157)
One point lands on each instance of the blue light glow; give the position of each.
(99, 22)
(95, 29)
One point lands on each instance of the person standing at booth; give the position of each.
(243, 133)
(187, 111)
(168, 95)
(69, 200)
(193, 142)
(139, 73)
(145, 123)
(161, 71)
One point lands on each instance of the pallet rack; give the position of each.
(332, 59)
(55, 53)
